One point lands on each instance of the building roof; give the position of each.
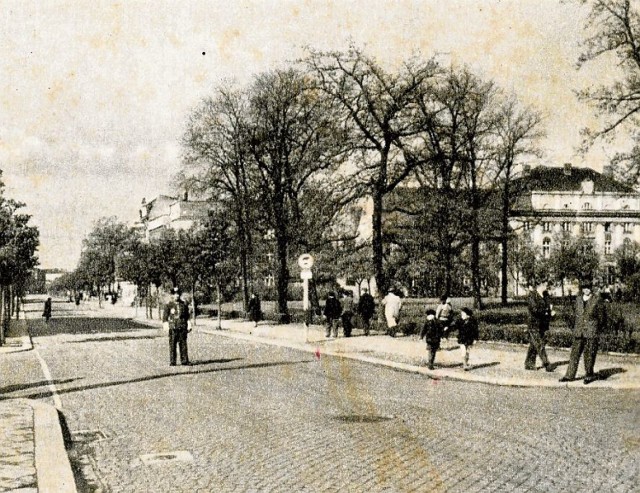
(556, 179)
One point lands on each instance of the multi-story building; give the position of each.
(578, 202)
(165, 212)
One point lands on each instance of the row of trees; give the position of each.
(293, 152)
(199, 258)
(18, 245)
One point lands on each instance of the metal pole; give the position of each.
(219, 306)
(305, 307)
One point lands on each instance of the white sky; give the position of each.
(94, 95)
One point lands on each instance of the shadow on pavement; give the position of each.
(85, 325)
(207, 362)
(555, 365)
(607, 372)
(116, 338)
(24, 386)
(42, 395)
(484, 365)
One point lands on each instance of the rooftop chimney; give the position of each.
(185, 197)
(567, 169)
(526, 169)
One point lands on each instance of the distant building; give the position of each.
(580, 202)
(166, 212)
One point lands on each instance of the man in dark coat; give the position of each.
(590, 321)
(47, 310)
(176, 319)
(366, 307)
(254, 309)
(539, 315)
(332, 312)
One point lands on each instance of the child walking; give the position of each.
(467, 327)
(432, 333)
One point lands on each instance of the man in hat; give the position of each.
(332, 312)
(176, 319)
(589, 322)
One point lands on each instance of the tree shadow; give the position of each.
(115, 338)
(211, 361)
(178, 373)
(85, 325)
(24, 386)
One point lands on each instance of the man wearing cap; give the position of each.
(589, 322)
(176, 319)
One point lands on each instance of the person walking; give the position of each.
(444, 315)
(47, 310)
(366, 308)
(431, 333)
(589, 323)
(467, 328)
(175, 318)
(254, 309)
(332, 312)
(392, 305)
(538, 324)
(347, 313)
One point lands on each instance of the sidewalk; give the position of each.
(33, 458)
(492, 363)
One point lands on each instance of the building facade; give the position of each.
(576, 202)
(166, 212)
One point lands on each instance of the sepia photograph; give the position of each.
(320, 246)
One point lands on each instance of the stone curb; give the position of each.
(433, 374)
(441, 374)
(53, 469)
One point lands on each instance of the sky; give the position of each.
(94, 96)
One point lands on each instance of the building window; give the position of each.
(566, 227)
(269, 281)
(587, 227)
(526, 225)
(627, 227)
(607, 247)
(586, 206)
(546, 227)
(607, 227)
(546, 247)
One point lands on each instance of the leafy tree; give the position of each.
(613, 28)
(573, 258)
(627, 258)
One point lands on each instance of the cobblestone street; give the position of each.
(250, 417)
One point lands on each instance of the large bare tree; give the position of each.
(613, 28)
(378, 109)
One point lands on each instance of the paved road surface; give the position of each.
(249, 417)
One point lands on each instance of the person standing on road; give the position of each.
(254, 309)
(175, 318)
(47, 310)
(366, 308)
(590, 321)
(392, 305)
(538, 324)
(467, 327)
(432, 333)
(332, 312)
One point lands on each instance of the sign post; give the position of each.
(305, 261)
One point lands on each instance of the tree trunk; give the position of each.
(376, 243)
(219, 304)
(2, 316)
(158, 301)
(193, 302)
(504, 264)
(282, 276)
